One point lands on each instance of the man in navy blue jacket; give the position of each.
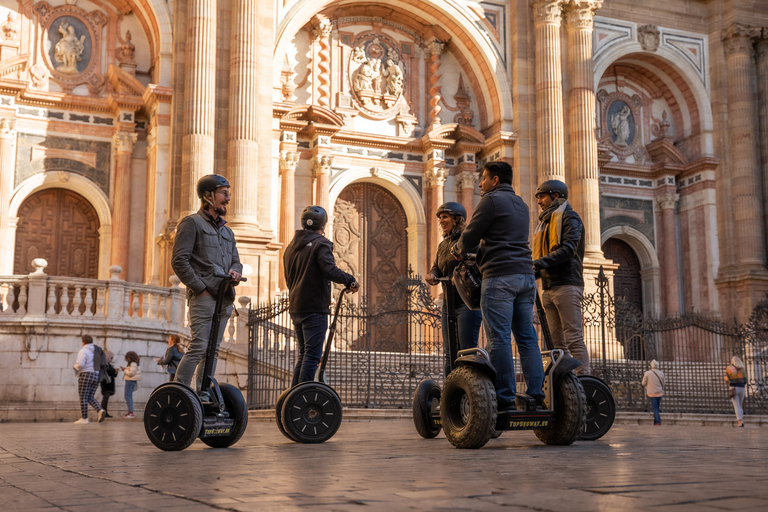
(500, 227)
(309, 270)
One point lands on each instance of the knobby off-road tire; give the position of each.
(571, 409)
(173, 417)
(279, 414)
(238, 411)
(468, 408)
(425, 393)
(601, 408)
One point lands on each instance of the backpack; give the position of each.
(100, 362)
(468, 281)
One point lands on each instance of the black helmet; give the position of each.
(452, 208)
(552, 186)
(313, 217)
(210, 183)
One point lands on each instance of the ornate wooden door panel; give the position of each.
(627, 282)
(62, 227)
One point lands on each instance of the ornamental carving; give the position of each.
(621, 122)
(71, 39)
(648, 37)
(377, 75)
(10, 28)
(581, 13)
(548, 11)
(738, 39)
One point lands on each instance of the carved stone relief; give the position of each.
(648, 37)
(621, 124)
(377, 75)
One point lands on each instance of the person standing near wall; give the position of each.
(653, 380)
(736, 377)
(131, 375)
(108, 385)
(87, 381)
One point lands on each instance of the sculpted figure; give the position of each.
(365, 76)
(394, 78)
(620, 125)
(10, 28)
(69, 49)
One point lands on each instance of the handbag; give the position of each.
(731, 392)
(467, 279)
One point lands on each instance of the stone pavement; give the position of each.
(382, 465)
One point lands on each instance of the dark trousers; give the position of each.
(105, 399)
(468, 323)
(656, 407)
(310, 334)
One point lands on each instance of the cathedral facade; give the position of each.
(654, 113)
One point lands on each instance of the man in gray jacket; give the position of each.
(205, 246)
(500, 227)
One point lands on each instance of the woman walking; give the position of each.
(736, 378)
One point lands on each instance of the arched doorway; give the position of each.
(369, 237)
(627, 282)
(62, 227)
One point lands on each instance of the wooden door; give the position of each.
(62, 227)
(627, 282)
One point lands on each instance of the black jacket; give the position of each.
(500, 226)
(445, 263)
(309, 270)
(563, 266)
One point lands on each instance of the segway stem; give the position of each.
(320, 373)
(545, 332)
(453, 335)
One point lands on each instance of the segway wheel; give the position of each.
(426, 393)
(601, 408)
(311, 412)
(279, 414)
(173, 417)
(468, 408)
(235, 405)
(570, 409)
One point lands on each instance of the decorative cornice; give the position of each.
(581, 13)
(548, 11)
(738, 38)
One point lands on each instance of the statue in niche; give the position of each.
(69, 49)
(620, 125)
(394, 78)
(10, 28)
(127, 49)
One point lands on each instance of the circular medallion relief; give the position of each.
(376, 75)
(69, 46)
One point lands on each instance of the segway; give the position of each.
(466, 406)
(175, 415)
(310, 412)
(601, 407)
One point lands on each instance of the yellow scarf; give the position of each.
(549, 232)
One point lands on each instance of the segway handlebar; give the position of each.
(320, 373)
(224, 276)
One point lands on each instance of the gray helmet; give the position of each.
(552, 186)
(314, 217)
(452, 208)
(210, 183)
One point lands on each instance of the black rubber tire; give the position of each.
(279, 414)
(311, 412)
(173, 417)
(496, 434)
(425, 393)
(235, 405)
(601, 408)
(570, 409)
(468, 408)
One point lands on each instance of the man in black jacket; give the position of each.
(558, 246)
(309, 270)
(500, 226)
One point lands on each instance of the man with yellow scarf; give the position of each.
(558, 252)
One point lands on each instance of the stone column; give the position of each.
(671, 287)
(467, 180)
(199, 100)
(549, 90)
(435, 49)
(7, 171)
(436, 176)
(289, 160)
(762, 92)
(123, 143)
(585, 179)
(321, 29)
(242, 147)
(321, 170)
(745, 166)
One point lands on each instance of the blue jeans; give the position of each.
(468, 324)
(507, 306)
(130, 385)
(310, 334)
(656, 407)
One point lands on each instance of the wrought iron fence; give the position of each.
(381, 351)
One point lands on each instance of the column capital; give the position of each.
(581, 13)
(7, 128)
(667, 200)
(435, 47)
(321, 164)
(436, 176)
(321, 27)
(738, 38)
(548, 11)
(762, 45)
(467, 179)
(289, 160)
(124, 141)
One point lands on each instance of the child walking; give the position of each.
(131, 375)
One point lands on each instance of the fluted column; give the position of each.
(667, 203)
(549, 90)
(762, 93)
(7, 168)
(199, 97)
(467, 180)
(745, 165)
(123, 143)
(435, 49)
(321, 170)
(289, 160)
(585, 179)
(242, 147)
